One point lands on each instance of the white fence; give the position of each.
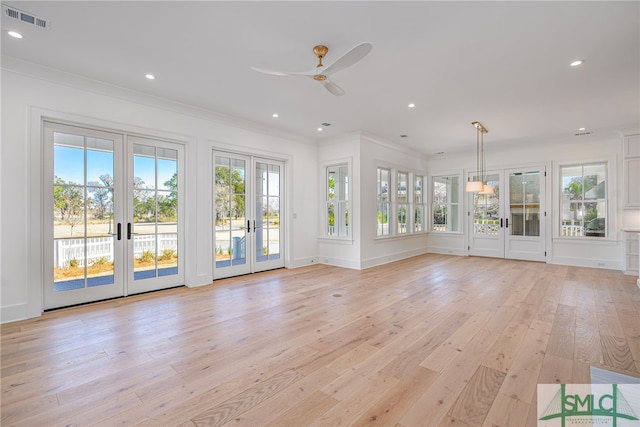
(98, 248)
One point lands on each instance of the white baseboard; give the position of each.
(587, 262)
(373, 262)
(12, 313)
(447, 251)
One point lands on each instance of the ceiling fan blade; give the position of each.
(349, 58)
(333, 88)
(283, 73)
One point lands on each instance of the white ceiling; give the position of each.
(505, 64)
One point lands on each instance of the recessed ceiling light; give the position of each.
(412, 105)
(319, 129)
(576, 63)
(150, 76)
(581, 128)
(274, 115)
(15, 34)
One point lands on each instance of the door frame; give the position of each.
(51, 298)
(251, 265)
(37, 217)
(504, 211)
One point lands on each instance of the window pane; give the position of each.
(383, 202)
(584, 203)
(337, 181)
(445, 196)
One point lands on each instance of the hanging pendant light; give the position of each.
(478, 184)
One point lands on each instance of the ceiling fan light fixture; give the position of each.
(322, 73)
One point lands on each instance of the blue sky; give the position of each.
(69, 165)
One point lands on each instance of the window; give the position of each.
(402, 202)
(384, 176)
(584, 200)
(418, 204)
(446, 203)
(337, 202)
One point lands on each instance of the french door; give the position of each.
(112, 215)
(510, 223)
(248, 233)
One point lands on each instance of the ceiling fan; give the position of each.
(321, 72)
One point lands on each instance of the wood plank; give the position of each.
(305, 412)
(616, 353)
(433, 405)
(562, 338)
(521, 380)
(393, 404)
(477, 397)
(506, 411)
(241, 403)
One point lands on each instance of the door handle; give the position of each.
(507, 223)
(248, 226)
(501, 223)
(254, 225)
(118, 232)
(129, 233)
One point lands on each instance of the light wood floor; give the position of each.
(432, 340)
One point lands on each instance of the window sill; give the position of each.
(446, 233)
(590, 239)
(400, 236)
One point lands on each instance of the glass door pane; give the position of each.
(524, 203)
(525, 214)
(83, 212)
(230, 240)
(83, 255)
(267, 212)
(155, 213)
(486, 209)
(486, 236)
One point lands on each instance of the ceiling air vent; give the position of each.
(583, 133)
(27, 18)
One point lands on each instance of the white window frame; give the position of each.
(343, 199)
(610, 198)
(406, 227)
(393, 230)
(414, 204)
(388, 202)
(324, 179)
(432, 179)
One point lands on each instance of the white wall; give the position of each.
(600, 146)
(30, 92)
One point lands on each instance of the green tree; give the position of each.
(168, 206)
(230, 193)
(68, 202)
(102, 200)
